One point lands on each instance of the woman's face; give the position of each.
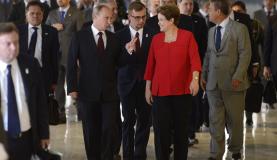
(164, 23)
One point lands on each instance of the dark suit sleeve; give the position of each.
(42, 108)
(55, 55)
(268, 39)
(71, 74)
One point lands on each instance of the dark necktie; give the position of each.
(13, 117)
(268, 14)
(137, 42)
(100, 44)
(62, 14)
(33, 42)
(218, 37)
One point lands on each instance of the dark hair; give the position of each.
(7, 28)
(170, 11)
(240, 4)
(137, 6)
(222, 5)
(35, 3)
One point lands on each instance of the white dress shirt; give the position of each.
(95, 32)
(39, 41)
(133, 34)
(22, 106)
(223, 25)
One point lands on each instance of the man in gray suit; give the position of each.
(67, 20)
(224, 77)
(5, 9)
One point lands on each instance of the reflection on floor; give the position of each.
(260, 140)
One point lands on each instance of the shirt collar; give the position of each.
(224, 23)
(31, 26)
(3, 65)
(266, 10)
(133, 31)
(64, 9)
(95, 31)
(203, 12)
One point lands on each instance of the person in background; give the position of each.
(152, 7)
(257, 35)
(86, 6)
(172, 77)
(67, 19)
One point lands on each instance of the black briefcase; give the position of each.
(53, 107)
(253, 99)
(269, 93)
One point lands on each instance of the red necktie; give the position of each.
(100, 44)
(137, 42)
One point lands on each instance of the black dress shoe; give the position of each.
(236, 156)
(211, 158)
(249, 122)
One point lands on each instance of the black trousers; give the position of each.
(171, 112)
(118, 135)
(20, 148)
(136, 113)
(99, 128)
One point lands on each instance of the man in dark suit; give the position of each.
(24, 110)
(200, 32)
(264, 13)
(270, 53)
(95, 51)
(18, 12)
(5, 9)
(135, 42)
(185, 22)
(67, 19)
(45, 46)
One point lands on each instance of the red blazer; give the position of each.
(170, 65)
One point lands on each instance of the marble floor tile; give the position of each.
(260, 141)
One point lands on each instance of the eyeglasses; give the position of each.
(139, 17)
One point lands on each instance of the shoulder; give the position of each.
(22, 27)
(123, 31)
(49, 28)
(184, 33)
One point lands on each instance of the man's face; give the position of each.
(34, 15)
(268, 3)
(167, 2)
(103, 19)
(153, 5)
(137, 19)
(63, 3)
(213, 13)
(113, 6)
(186, 7)
(237, 8)
(9, 46)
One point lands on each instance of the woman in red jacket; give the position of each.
(172, 75)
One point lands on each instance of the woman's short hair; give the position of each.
(170, 11)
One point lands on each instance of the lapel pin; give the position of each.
(237, 20)
(69, 14)
(146, 35)
(26, 70)
(46, 33)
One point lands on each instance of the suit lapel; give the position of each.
(213, 38)
(226, 34)
(92, 43)
(25, 38)
(44, 39)
(68, 14)
(25, 73)
(145, 38)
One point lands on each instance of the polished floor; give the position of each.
(260, 141)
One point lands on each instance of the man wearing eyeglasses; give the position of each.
(135, 41)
